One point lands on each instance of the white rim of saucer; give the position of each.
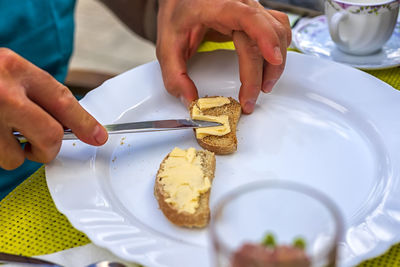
(349, 2)
(322, 19)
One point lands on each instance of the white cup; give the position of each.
(361, 27)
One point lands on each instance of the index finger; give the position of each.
(250, 70)
(257, 23)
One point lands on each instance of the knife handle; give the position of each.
(25, 261)
(68, 135)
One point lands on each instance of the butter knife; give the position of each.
(23, 261)
(140, 127)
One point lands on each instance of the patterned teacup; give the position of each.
(361, 27)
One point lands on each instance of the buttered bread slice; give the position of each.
(183, 185)
(225, 110)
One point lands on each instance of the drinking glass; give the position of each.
(280, 221)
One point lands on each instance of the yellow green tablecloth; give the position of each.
(31, 225)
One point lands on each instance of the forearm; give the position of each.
(139, 15)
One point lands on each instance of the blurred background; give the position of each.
(104, 47)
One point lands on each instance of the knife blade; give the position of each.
(11, 258)
(140, 127)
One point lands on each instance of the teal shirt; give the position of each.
(41, 31)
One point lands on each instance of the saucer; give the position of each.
(312, 37)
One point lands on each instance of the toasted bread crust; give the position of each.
(201, 217)
(225, 144)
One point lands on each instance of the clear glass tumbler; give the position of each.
(275, 223)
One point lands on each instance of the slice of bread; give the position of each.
(225, 144)
(201, 216)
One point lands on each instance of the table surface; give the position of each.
(31, 225)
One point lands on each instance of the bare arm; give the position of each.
(139, 15)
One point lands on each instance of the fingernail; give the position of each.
(267, 86)
(100, 134)
(278, 54)
(249, 106)
(184, 101)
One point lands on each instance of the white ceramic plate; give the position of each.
(326, 125)
(312, 37)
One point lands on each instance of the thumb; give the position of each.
(188, 91)
(174, 72)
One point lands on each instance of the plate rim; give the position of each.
(381, 247)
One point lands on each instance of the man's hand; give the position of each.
(35, 104)
(261, 38)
